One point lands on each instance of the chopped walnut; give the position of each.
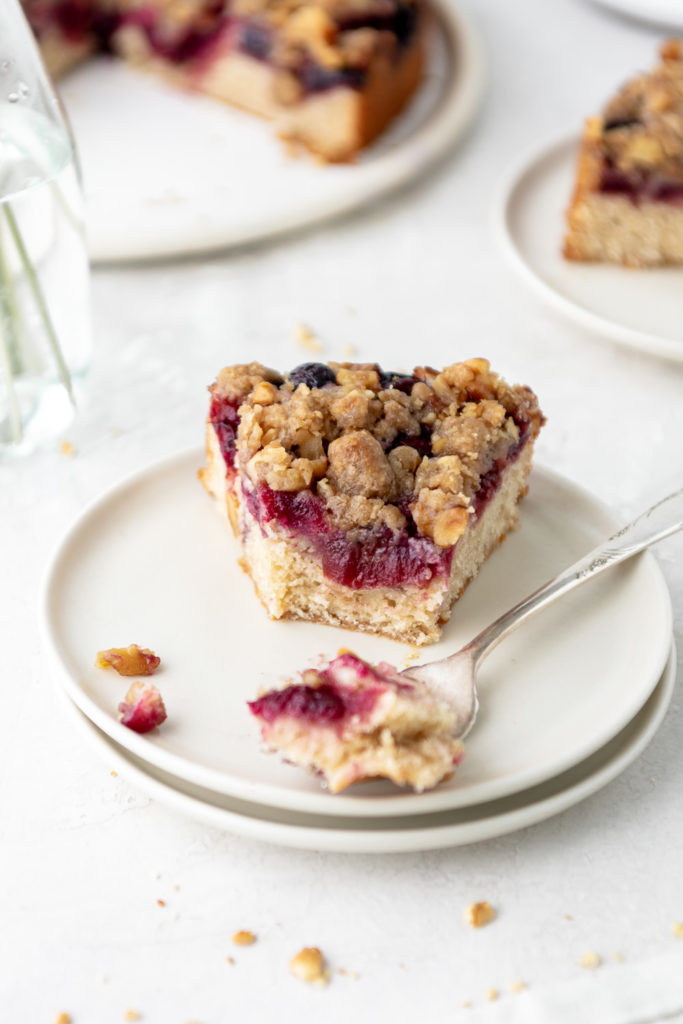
(129, 661)
(479, 914)
(142, 709)
(244, 938)
(309, 965)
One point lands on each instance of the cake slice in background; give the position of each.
(627, 205)
(331, 74)
(365, 499)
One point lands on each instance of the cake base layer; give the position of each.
(614, 229)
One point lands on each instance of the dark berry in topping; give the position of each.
(621, 122)
(401, 381)
(314, 375)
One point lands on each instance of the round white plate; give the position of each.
(667, 13)
(393, 835)
(642, 309)
(153, 563)
(169, 173)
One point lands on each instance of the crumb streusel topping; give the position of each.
(641, 129)
(379, 448)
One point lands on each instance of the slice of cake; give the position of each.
(331, 74)
(366, 499)
(627, 205)
(349, 721)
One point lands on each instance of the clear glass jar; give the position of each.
(45, 331)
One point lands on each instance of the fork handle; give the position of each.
(658, 522)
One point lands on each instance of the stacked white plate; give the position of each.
(567, 702)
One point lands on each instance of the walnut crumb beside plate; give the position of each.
(479, 914)
(309, 965)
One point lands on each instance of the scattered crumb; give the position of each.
(619, 958)
(131, 1015)
(349, 351)
(677, 929)
(348, 974)
(63, 1018)
(142, 709)
(479, 914)
(230, 960)
(66, 448)
(590, 960)
(412, 656)
(129, 661)
(309, 965)
(568, 917)
(467, 1006)
(304, 336)
(161, 903)
(244, 938)
(492, 994)
(517, 986)
(113, 773)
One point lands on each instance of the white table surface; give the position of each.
(85, 856)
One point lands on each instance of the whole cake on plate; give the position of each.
(331, 74)
(363, 498)
(627, 205)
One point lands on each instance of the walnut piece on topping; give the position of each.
(309, 965)
(477, 915)
(142, 709)
(129, 661)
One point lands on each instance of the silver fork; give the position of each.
(454, 678)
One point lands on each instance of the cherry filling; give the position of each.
(334, 700)
(377, 557)
(321, 705)
(640, 188)
(224, 418)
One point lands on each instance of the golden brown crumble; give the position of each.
(244, 938)
(309, 965)
(590, 960)
(479, 914)
(641, 129)
(373, 451)
(492, 994)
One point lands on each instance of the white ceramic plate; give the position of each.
(642, 309)
(168, 173)
(393, 835)
(667, 13)
(153, 563)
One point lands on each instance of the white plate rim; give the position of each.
(381, 176)
(276, 796)
(425, 835)
(666, 14)
(643, 341)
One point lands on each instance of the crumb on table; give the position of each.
(590, 960)
(131, 1015)
(492, 994)
(309, 965)
(63, 1018)
(517, 986)
(244, 938)
(304, 336)
(479, 914)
